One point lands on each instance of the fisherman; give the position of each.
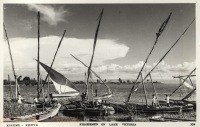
(20, 99)
(98, 102)
(83, 96)
(35, 101)
(46, 101)
(167, 100)
(153, 100)
(53, 100)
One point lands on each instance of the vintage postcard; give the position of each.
(99, 63)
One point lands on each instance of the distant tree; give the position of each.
(5, 82)
(12, 82)
(156, 82)
(27, 81)
(43, 81)
(128, 82)
(81, 82)
(120, 80)
(19, 80)
(33, 82)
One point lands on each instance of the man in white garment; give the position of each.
(167, 100)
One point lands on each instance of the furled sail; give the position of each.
(187, 84)
(188, 95)
(63, 86)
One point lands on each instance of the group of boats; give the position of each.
(90, 103)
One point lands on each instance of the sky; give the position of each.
(126, 36)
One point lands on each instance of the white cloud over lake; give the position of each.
(25, 49)
(163, 70)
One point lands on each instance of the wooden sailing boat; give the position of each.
(96, 109)
(90, 72)
(40, 115)
(36, 117)
(90, 106)
(167, 119)
(184, 102)
(151, 109)
(147, 108)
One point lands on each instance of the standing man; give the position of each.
(83, 96)
(20, 99)
(167, 100)
(153, 100)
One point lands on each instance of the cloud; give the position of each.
(27, 25)
(185, 67)
(51, 14)
(114, 71)
(25, 49)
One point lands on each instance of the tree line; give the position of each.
(28, 81)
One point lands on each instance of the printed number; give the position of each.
(192, 124)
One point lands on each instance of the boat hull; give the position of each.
(74, 112)
(49, 113)
(167, 119)
(151, 110)
(65, 95)
(94, 111)
(87, 108)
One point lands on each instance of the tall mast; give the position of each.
(161, 29)
(48, 89)
(145, 93)
(133, 90)
(94, 45)
(153, 86)
(85, 78)
(52, 61)
(11, 92)
(13, 68)
(38, 66)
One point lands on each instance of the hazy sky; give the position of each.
(126, 35)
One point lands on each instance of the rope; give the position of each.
(160, 75)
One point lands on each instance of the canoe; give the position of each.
(77, 108)
(156, 110)
(167, 119)
(40, 116)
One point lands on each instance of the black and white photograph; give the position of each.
(99, 62)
